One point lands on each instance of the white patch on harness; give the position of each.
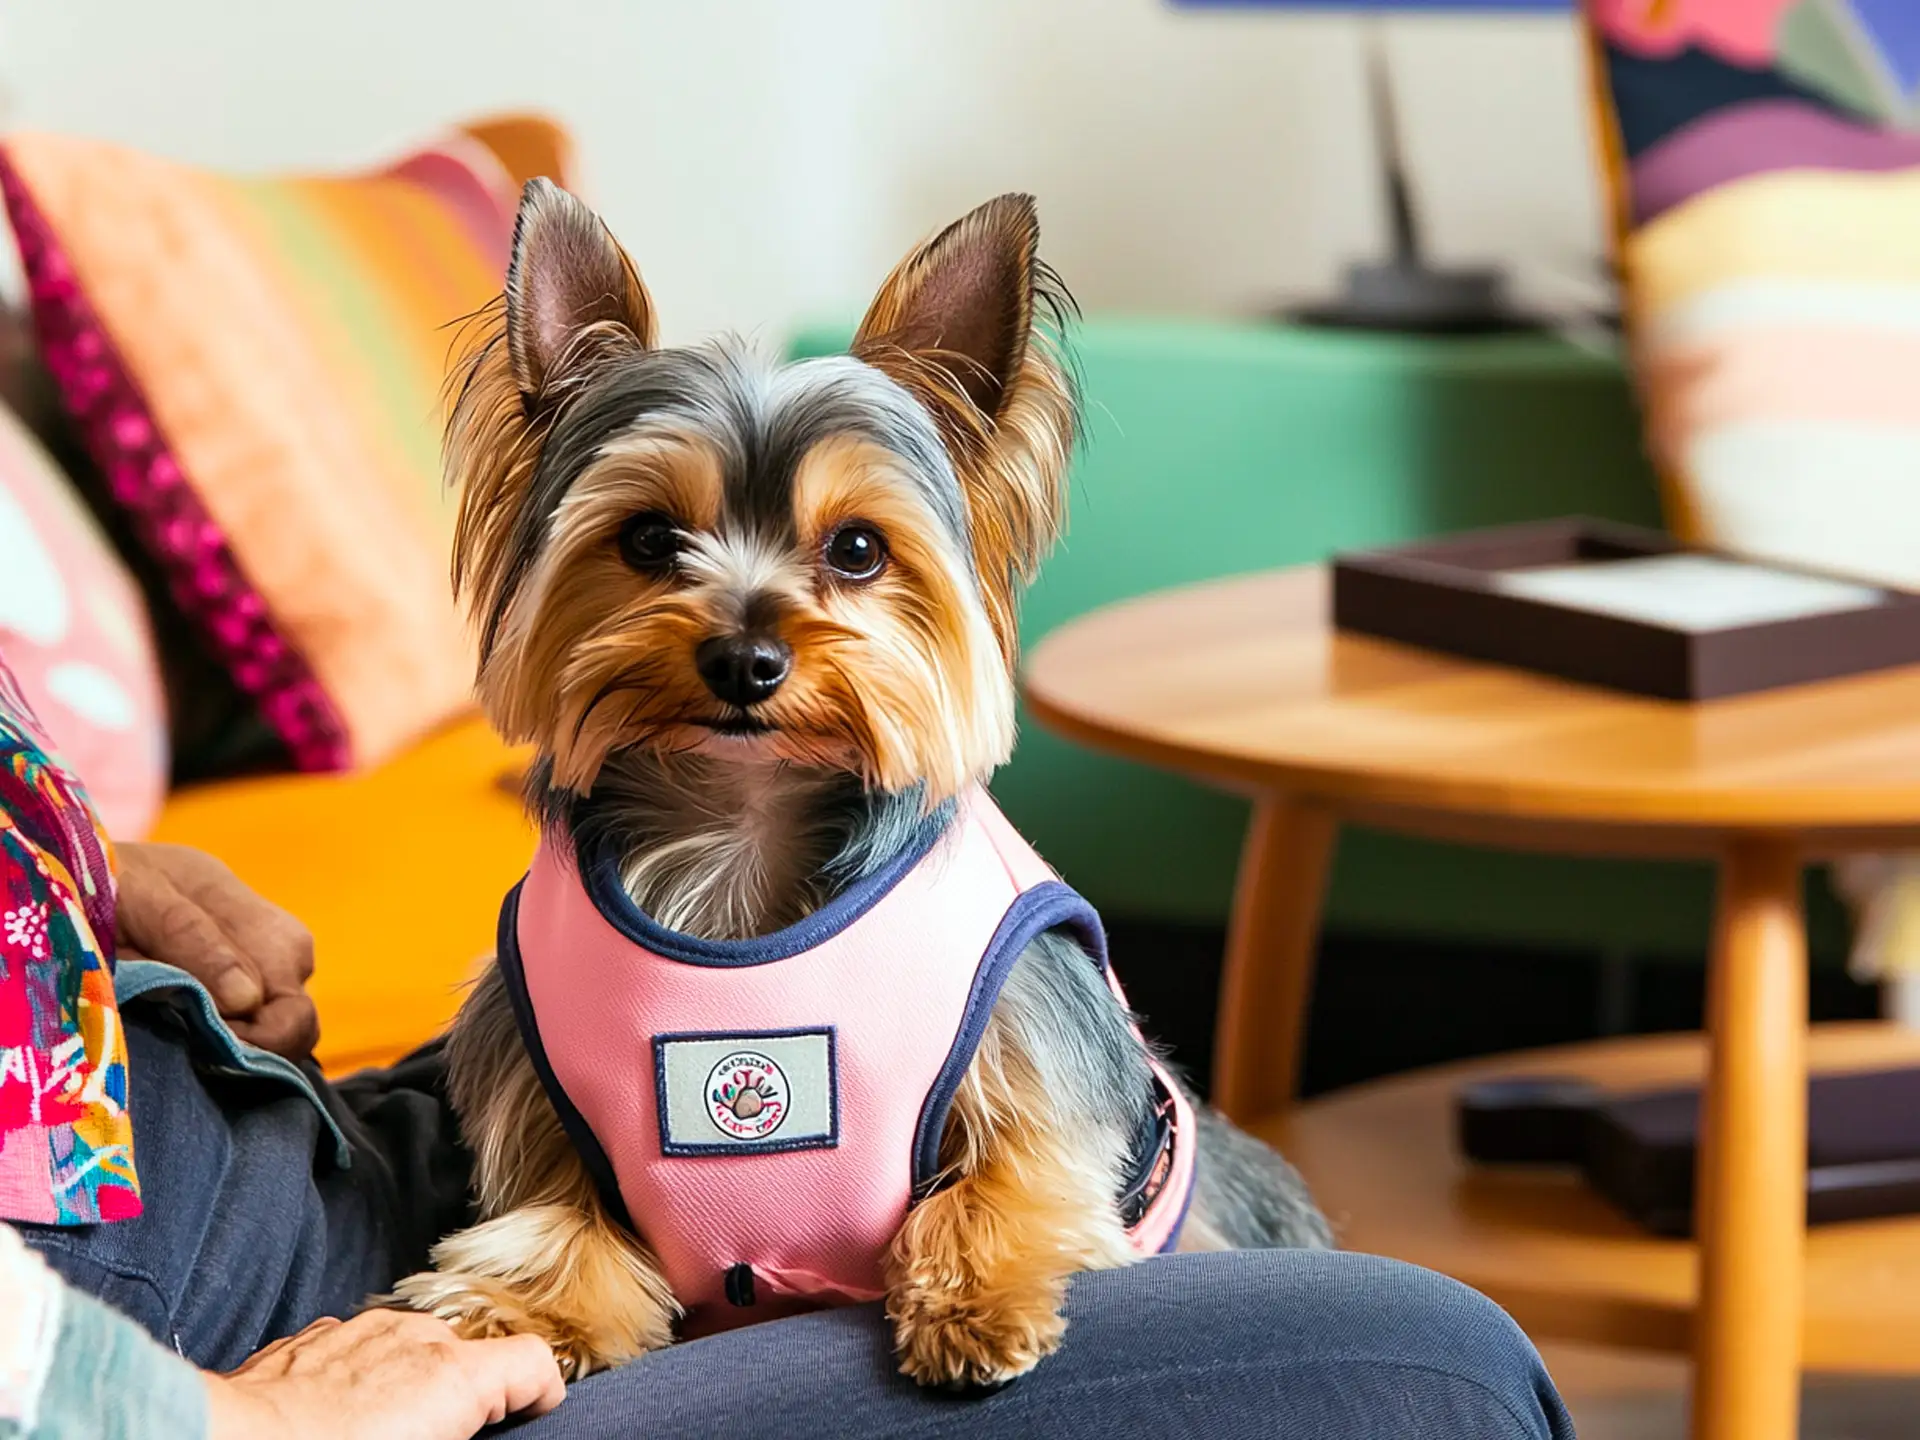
(747, 1094)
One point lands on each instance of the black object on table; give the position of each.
(1638, 1149)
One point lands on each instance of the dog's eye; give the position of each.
(650, 540)
(856, 552)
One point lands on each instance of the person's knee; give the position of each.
(1342, 1340)
(1396, 1308)
(1431, 1344)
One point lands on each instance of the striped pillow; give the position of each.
(1768, 198)
(256, 365)
(1766, 184)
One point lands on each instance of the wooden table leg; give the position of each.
(1270, 946)
(1751, 1198)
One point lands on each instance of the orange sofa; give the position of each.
(399, 871)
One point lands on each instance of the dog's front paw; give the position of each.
(963, 1336)
(594, 1295)
(479, 1308)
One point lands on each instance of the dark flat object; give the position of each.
(1638, 1149)
(1446, 594)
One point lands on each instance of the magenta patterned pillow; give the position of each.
(74, 630)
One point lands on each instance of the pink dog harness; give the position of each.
(770, 1108)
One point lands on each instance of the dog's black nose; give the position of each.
(743, 669)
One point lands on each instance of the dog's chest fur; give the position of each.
(726, 847)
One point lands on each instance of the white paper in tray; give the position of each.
(1695, 593)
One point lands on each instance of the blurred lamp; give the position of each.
(1404, 292)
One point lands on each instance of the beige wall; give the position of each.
(767, 159)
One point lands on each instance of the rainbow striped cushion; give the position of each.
(1766, 185)
(257, 366)
(1767, 188)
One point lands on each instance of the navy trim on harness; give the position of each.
(616, 907)
(1047, 906)
(585, 1143)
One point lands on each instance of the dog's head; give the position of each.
(694, 549)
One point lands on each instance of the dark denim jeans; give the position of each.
(251, 1230)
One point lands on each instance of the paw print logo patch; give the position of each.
(747, 1093)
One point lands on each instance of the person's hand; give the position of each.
(186, 908)
(384, 1375)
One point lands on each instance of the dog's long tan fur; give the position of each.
(546, 1259)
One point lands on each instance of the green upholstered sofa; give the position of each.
(1215, 448)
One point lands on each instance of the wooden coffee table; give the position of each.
(1242, 684)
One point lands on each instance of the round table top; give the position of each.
(1242, 681)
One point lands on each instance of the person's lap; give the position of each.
(249, 1233)
(248, 1229)
(1279, 1344)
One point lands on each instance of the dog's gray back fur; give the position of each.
(1057, 1003)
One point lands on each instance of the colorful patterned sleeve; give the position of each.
(66, 1139)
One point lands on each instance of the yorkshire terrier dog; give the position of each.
(785, 1013)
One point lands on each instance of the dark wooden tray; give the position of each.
(1442, 594)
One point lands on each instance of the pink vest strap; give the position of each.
(765, 1111)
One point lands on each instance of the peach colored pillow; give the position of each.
(257, 366)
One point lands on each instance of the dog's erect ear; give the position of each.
(963, 302)
(572, 293)
(572, 299)
(954, 325)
